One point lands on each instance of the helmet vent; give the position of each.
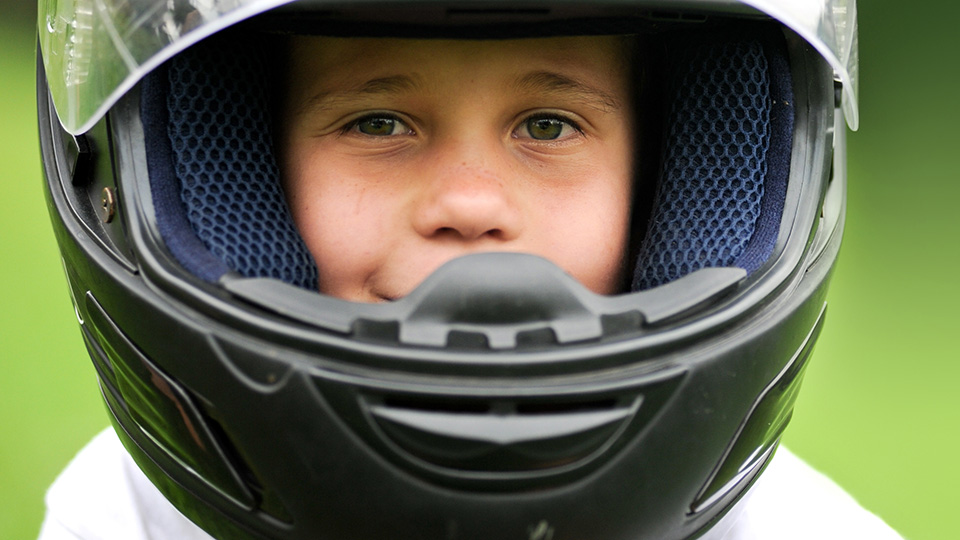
(440, 406)
(501, 437)
(479, 437)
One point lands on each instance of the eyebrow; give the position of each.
(548, 82)
(540, 82)
(395, 84)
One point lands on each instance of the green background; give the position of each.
(879, 412)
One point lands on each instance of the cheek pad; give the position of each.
(726, 158)
(207, 125)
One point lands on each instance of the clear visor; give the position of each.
(96, 50)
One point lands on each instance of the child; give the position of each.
(547, 408)
(397, 159)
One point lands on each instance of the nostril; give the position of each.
(469, 233)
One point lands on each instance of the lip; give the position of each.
(384, 298)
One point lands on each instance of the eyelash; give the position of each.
(560, 118)
(354, 125)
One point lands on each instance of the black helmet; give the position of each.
(500, 398)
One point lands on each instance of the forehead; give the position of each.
(342, 60)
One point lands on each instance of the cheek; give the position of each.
(601, 217)
(341, 215)
(586, 230)
(594, 244)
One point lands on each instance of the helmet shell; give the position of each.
(489, 403)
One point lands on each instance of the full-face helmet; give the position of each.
(500, 398)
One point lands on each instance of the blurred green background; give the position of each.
(879, 412)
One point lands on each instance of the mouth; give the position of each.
(384, 298)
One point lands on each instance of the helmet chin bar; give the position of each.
(448, 443)
(493, 300)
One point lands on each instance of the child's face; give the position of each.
(399, 155)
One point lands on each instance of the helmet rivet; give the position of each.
(108, 204)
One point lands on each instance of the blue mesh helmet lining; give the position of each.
(208, 141)
(726, 157)
(220, 207)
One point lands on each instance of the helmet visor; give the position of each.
(95, 50)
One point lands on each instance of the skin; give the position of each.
(400, 155)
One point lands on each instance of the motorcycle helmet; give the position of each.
(500, 398)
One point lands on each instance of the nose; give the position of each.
(468, 200)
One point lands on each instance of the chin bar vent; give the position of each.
(483, 439)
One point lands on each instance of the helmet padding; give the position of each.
(214, 176)
(726, 158)
(725, 161)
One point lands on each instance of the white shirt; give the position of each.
(102, 495)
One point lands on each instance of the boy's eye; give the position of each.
(381, 126)
(546, 128)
